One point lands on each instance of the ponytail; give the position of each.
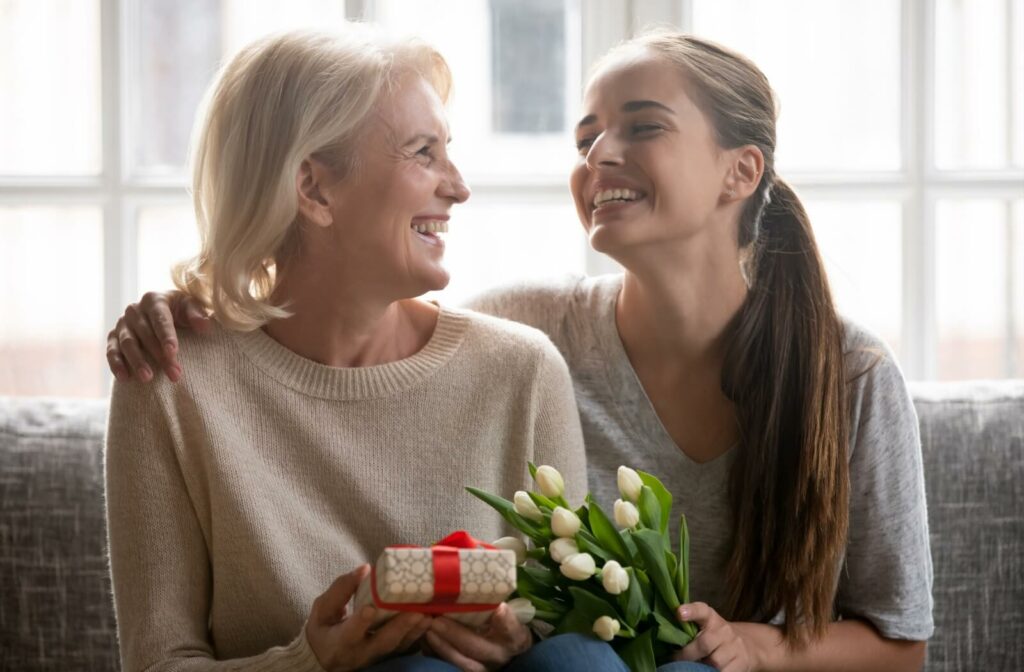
(784, 372)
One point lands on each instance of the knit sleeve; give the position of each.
(558, 438)
(159, 563)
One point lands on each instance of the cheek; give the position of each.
(577, 181)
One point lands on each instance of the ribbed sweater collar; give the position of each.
(367, 382)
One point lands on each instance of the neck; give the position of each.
(677, 302)
(350, 328)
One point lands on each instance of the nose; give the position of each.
(454, 187)
(605, 151)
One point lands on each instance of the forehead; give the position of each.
(411, 103)
(639, 75)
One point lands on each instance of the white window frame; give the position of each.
(918, 185)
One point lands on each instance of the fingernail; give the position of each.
(684, 612)
(170, 348)
(145, 374)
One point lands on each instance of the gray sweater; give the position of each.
(887, 574)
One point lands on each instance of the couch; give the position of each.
(56, 613)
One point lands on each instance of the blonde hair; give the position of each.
(279, 101)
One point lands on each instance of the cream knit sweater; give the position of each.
(236, 496)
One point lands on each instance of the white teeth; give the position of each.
(606, 195)
(436, 226)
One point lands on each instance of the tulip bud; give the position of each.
(578, 567)
(523, 609)
(629, 484)
(526, 508)
(606, 628)
(614, 578)
(564, 523)
(550, 482)
(512, 544)
(627, 516)
(560, 549)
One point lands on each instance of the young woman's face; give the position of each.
(649, 170)
(396, 202)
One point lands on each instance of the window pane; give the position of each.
(50, 112)
(176, 50)
(973, 289)
(167, 235)
(979, 84)
(51, 333)
(499, 240)
(515, 67)
(862, 245)
(835, 66)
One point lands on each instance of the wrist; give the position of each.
(765, 645)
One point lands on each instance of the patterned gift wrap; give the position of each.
(458, 577)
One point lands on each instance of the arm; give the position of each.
(161, 573)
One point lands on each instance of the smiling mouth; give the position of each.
(612, 196)
(428, 230)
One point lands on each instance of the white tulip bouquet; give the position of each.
(618, 580)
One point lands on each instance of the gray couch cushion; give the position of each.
(972, 436)
(56, 611)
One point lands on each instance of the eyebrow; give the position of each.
(631, 106)
(422, 137)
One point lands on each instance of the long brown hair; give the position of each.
(783, 370)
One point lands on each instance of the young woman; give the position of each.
(717, 361)
(328, 412)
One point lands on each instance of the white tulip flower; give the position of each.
(550, 482)
(560, 549)
(523, 609)
(629, 484)
(578, 567)
(513, 544)
(614, 578)
(606, 628)
(526, 508)
(627, 516)
(564, 523)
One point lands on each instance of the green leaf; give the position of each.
(540, 575)
(651, 547)
(588, 544)
(632, 603)
(650, 509)
(543, 502)
(533, 470)
(670, 633)
(663, 495)
(586, 608)
(531, 587)
(539, 533)
(584, 516)
(606, 534)
(683, 569)
(639, 653)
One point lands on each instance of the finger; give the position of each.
(390, 637)
(329, 606)
(190, 313)
(131, 352)
(505, 627)
(700, 613)
(143, 331)
(154, 306)
(702, 646)
(469, 643)
(114, 360)
(414, 635)
(447, 652)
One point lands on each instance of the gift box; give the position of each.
(458, 577)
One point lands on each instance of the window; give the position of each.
(902, 128)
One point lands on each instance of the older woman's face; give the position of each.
(392, 211)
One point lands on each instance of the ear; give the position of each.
(310, 186)
(744, 175)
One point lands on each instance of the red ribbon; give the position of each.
(447, 578)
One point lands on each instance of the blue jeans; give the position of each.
(564, 653)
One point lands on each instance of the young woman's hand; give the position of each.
(343, 641)
(145, 333)
(719, 643)
(503, 639)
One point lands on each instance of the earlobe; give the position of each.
(313, 204)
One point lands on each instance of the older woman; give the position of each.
(328, 412)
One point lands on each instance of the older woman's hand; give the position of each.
(503, 639)
(146, 333)
(344, 642)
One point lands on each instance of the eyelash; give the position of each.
(585, 143)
